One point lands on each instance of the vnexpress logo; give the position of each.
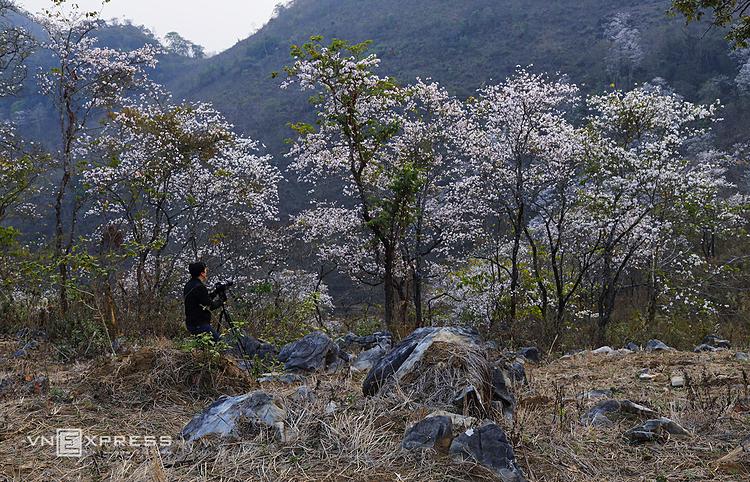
(69, 442)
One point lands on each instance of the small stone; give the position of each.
(331, 408)
(677, 381)
(655, 430)
(597, 415)
(303, 394)
(594, 394)
(743, 357)
(281, 378)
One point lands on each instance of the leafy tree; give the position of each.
(15, 46)
(177, 185)
(176, 44)
(85, 82)
(377, 141)
(734, 14)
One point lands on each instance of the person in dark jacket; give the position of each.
(199, 303)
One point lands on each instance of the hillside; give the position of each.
(462, 45)
(339, 434)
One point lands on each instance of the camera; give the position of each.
(220, 290)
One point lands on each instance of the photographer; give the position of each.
(199, 302)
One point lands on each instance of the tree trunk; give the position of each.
(388, 286)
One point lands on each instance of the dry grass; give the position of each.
(156, 390)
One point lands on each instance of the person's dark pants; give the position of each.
(197, 330)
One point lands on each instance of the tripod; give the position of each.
(224, 316)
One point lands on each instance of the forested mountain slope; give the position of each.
(466, 44)
(463, 45)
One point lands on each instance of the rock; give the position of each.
(405, 356)
(368, 358)
(632, 346)
(604, 350)
(655, 430)
(518, 372)
(250, 347)
(430, 433)
(594, 394)
(281, 378)
(716, 342)
(303, 394)
(677, 381)
(459, 422)
(704, 347)
(501, 392)
(657, 345)
(571, 353)
(379, 338)
(331, 408)
(531, 353)
(314, 352)
(740, 356)
(468, 399)
(489, 447)
(26, 348)
(646, 375)
(597, 415)
(118, 345)
(223, 416)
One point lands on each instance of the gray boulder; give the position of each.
(704, 347)
(430, 433)
(501, 391)
(716, 342)
(743, 357)
(489, 447)
(655, 430)
(223, 416)
(405, 356)
(244, 345)
(314, 352)
(531, 353)
(657, 345)
(368, 358)
(382, 338)
(632, 346)
(517, 372)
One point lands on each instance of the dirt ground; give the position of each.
(154, 390)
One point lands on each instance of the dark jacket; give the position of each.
(198, 303)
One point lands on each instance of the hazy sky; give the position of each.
(215, 24)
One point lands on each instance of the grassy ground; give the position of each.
(156, 389)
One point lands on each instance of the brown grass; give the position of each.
(156, 390)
